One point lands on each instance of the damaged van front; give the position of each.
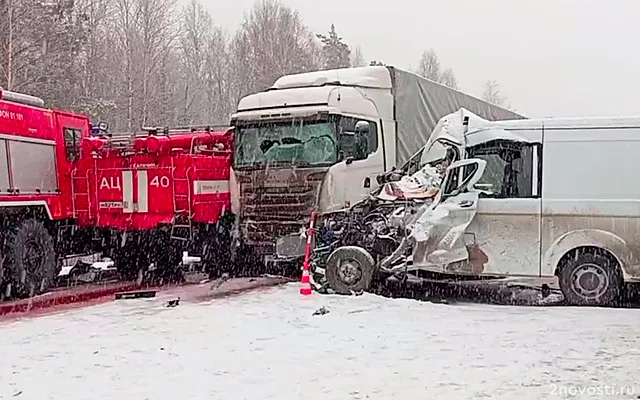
(438, 214)
(520, 204)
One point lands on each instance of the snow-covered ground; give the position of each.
(269, 346)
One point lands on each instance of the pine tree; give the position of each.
(335, 53)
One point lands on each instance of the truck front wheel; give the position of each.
(349, 269)
(30, 256)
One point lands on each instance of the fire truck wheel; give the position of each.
(130, 263)
(31, 257)
(167, 262)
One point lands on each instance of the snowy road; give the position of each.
(269, 346)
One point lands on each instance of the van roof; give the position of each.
(568, 123)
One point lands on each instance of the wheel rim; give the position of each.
(350, 272)
(589, 281)
(32, 259)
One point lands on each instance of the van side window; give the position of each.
(72, 139)
(348, 124)
(509, 170)
(453, 184)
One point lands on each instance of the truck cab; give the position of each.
(39, 148)
(310, 142)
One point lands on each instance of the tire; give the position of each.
(219, 257)
(166, 259)
(31, 258)
(349, 269)
(603, 289)
(129, 262)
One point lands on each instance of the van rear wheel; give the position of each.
(591, 279)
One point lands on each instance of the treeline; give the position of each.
(152, 63)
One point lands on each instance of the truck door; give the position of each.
(73, 129)
(358, 178)
(440, 232)
(70, 131)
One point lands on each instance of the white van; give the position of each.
(552, 197)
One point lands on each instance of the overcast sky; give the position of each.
(551, 57)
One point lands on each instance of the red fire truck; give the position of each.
(38, 150)
(150, 197)
(142, 200)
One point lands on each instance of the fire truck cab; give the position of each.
(153, 195)
(39, 149)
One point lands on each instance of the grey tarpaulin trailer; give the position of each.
(420, 103)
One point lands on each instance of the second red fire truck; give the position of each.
(152, 196)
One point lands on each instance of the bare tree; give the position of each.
(429, 65)
(136, 62)
(357, 57)
(195, 35)
(147, 30)
(492, 94)
(18, 45)
(7, 34)
(448, 78)
(39, 45)
(125, 29)
(157, 24)
(271, 42)
(98, 65)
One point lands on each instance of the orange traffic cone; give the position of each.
(305, 289)
(306, 278)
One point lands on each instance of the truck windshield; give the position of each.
(297, 142)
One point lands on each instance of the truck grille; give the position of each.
(272, 208)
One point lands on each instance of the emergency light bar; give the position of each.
(100, 129)
(21, 98)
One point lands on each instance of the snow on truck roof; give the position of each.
(372, 77)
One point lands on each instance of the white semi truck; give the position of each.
(318, 141)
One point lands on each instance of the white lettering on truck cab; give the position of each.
(160, 181)
(111, 182)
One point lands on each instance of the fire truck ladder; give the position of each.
(75, 194)
(182, 227)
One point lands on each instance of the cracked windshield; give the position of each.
(295, 143)
(334, 200)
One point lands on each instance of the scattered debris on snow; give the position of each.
(321, 311)
(173, 303)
